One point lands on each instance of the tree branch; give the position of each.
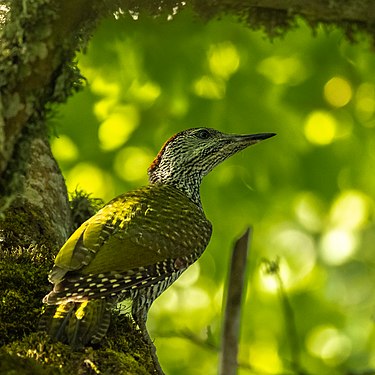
(277, 16)
(232, 315)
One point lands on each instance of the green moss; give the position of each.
(26, 240)
(24, 224)
(14, 365)
(83, 206)
(121, 352)
(23, 277)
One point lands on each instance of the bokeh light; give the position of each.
(329, 344)
(283, 70)
(223, 59)
(90, 178)
(264, 356)
(102, 86)
(365, 101)
(209, 87)
(131, 164)
(64, 148)
(350, 210)
(338, 245)
(298, 256)
(320, 128)
(117, 128)
(338, 92)
(145, 93)
(309, 211)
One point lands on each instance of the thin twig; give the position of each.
(231, 327)
(291, 328)
(289, 319)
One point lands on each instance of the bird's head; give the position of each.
(191, 154)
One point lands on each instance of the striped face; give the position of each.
(191, 154)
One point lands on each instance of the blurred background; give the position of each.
(308, 193)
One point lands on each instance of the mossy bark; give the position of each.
(38, 42)
(37, 70)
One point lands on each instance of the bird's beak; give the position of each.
(226, 145)
(233, 143)
(250, 139)
(237, 142)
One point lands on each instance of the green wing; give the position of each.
(137, 229)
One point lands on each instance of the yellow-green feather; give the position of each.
(139, 228)
(65, 258)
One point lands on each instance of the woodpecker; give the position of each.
(139, 243)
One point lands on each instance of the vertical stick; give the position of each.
(232, 313)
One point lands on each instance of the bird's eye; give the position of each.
(203, 134)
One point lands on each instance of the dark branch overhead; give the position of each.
(320, 10)
(277, 16)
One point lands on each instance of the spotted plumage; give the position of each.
(140, 242)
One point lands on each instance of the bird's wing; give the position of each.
(135, 230)
(161, 227)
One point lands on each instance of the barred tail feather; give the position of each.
(81, 288)
(78, 323)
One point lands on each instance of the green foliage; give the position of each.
(308, 192)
